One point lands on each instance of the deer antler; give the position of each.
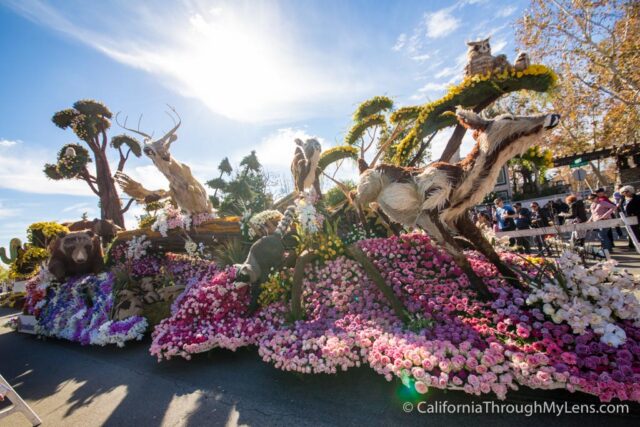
(138, 131)
(176, 125)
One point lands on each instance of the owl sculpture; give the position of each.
(522, 61)
(305, 165)
(480, 60)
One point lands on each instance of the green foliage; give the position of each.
(375, 105)
(4, 275)
(360, 127)
(334, 196)
(246, 190)
(217, 184)
(135, 146)
(231, 252)
(150, 214)
(405, 114)
(40, 234)
(88, 118)
(336, 154)
(64, 118)
(68, 167)
(471, 92)
(28, 262)
(277, 288)
(90, 107)
(225, 167)
(250, 163)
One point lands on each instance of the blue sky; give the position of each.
(243, 76)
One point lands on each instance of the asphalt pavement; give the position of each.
(71, 385)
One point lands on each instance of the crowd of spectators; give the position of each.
(573, 210)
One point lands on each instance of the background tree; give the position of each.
(531, 167)
(89, 120)
(246, 190)
(595, 48)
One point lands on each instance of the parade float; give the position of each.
(388, 274)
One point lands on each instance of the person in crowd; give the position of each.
(504, 215)
(602, 209)
(560, 208)
(522, 219)
(539, 219)
(630, 206)
(484, 221)
(603, 196)
(576, 215)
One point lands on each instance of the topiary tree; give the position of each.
(89, 120)
(245, 191)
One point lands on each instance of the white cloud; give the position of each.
(400, 42)
(506, 11)
(23, 172)
(8, 212)
(80, 208)
(9, 142)
(241, 60)
(429, 88)
(454, 70)
(440, 23)
(421, 58)
(498, 45)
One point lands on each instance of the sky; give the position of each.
(244, 76)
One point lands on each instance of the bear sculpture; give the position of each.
(79, 252)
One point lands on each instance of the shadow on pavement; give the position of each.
(68, 384)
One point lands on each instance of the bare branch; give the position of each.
(127, 206)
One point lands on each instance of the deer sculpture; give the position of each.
(437, 197)
(184, 189)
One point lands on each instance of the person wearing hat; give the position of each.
(630, 206)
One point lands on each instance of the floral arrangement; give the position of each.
(193, 249)
(277, 288)
(309, 218)
(209, 314)
(461, 343)
(596, 298)
(137, 247)
(260, 224)
(172, 217)
(78, 310)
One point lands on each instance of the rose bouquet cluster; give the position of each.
(79, 309)
(594, 298)
(345, 313)
(494, 346)
(210, 313)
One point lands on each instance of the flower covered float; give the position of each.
(453, 340)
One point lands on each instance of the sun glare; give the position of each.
(237, 68)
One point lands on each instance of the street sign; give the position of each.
(580, 174)
(576, 163)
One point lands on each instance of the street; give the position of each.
(71, 385)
